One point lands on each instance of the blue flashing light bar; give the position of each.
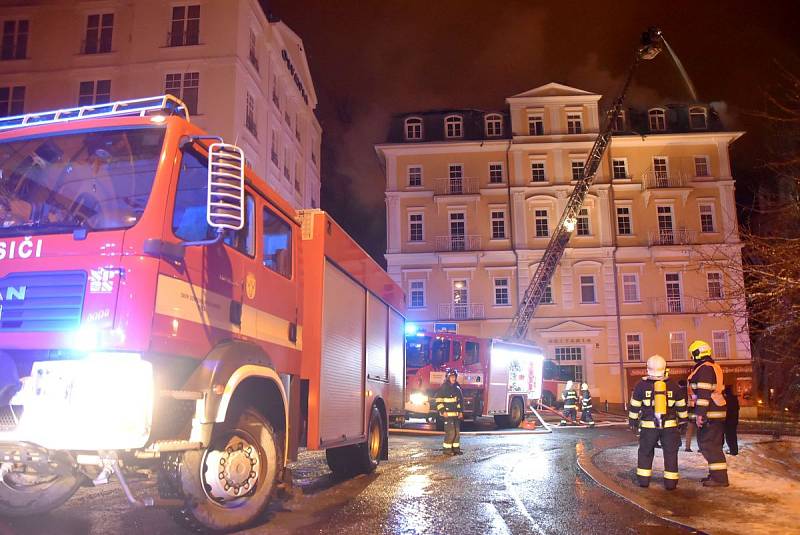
(166, 104)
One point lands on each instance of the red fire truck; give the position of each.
(498, 378)
(162, 308)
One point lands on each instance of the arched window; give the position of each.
(658, 120)
(494, 125)
(698, 118)
(453, 126)
(413, 127)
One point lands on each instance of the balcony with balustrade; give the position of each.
(664, 179)
(457, 242)
(675, 236)
(458, 311)
(682, 304)
(456, 186)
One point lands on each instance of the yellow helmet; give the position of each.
(699, 349)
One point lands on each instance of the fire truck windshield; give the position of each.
(98, 180)
(418, 351)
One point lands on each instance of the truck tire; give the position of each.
(228, 485)
(513, 418)
(361, 458)
(24, 494)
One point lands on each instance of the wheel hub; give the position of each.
(232, 472)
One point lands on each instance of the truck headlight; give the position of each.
(418, 398)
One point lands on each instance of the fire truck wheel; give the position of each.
(517, 413)
(28, 493)
(363, 458)
(228, 485)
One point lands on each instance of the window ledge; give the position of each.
(499, 239)
(418, 309)
(631, 302)
(183, 47)
(536, 184)
(502, 306)
(589, 303)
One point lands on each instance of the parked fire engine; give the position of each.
(161, 307)
(498, 378)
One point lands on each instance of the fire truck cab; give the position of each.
(163, 309)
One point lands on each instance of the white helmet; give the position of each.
(584, 386)
(656, 367)
(569, 385)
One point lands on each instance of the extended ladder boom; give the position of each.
(650, 47)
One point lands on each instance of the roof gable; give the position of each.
(554, 89)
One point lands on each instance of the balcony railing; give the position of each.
(663, 179)
(676, 236)
(468, 311)
(455, 186)
(676, 305)
(458, 243)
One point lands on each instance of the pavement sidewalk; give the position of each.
(764, 496)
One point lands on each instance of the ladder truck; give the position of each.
(651, 44)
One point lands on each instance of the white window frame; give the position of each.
(502, 172)
(588, 217)
(411, 291)
(408, 176)
(625, 167)
(620, 122)
(543, 164)
(720, 280)
(593, 286)
(496, 287)
(492, 219)
(496, 120)
(683, 351)
(572, 167)
(716, 338)
(552, 300)
(416, 121)
(534, 118)
(457, 122)
(415, 212)
(705, 160)
(712, 212)
(640, 344)
(638, 297)
(574, 122)
(704, 112)
(629, 208)
(537, 217)
(653, 116)
(453, 282)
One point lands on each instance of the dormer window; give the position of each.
(494, 125)
(574, 123)
(698, 118)
(658, 120)
(413, 128)
(618, 124)
(453, 126)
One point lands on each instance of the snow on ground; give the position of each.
(764, 496)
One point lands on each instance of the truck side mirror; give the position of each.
(225, 202)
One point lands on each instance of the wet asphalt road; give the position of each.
(503, 484)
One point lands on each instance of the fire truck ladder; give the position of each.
(650, 47)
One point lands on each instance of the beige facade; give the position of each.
(472, 198)
(246, 78)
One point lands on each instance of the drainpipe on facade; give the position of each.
(612, 213)
(511, 215)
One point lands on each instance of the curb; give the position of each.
(585, 459)
(427, 432)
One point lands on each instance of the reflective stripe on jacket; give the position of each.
(705, 389)
(570, 398)
(449, 400)
(642, 405)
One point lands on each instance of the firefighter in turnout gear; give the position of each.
(570, 398)
(586, 406)
(705, 391)
(449, 403)
(658, 407)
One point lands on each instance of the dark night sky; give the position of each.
(371, 59)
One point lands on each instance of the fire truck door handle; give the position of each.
(236, 312)
(293, 332)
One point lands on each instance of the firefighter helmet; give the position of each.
(584, 386)
(699, 349)
(656, 367)
(569, 385)
(452, 371)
